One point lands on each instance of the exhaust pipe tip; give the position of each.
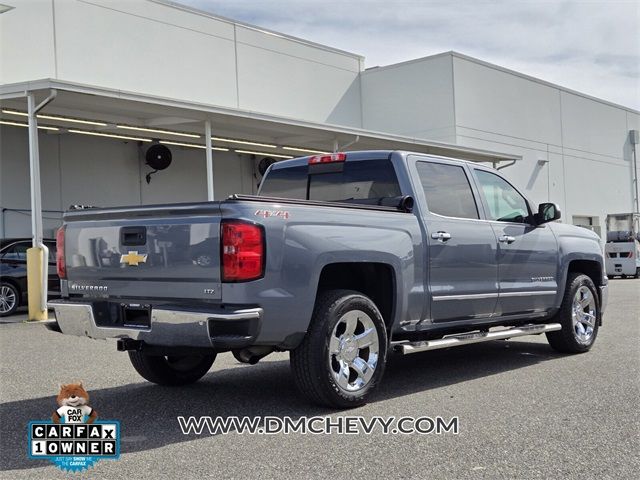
(251, 355)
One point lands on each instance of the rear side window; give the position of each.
(447, 190)
(358, 180)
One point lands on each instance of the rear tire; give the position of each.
(9, 299)
(171, 370)
(579, 316)
(342, 357)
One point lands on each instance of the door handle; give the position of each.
(441, 236)
(506, 239)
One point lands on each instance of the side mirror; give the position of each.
(547, 212)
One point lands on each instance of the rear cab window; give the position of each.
(353, 181)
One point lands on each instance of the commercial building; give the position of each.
(121, 75)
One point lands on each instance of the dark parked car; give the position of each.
(13, 272)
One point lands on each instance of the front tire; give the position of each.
(579, 316)
(342, 357)
(171, 370)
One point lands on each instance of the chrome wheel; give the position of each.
(353, 351)
(583, 314)
(8, 299)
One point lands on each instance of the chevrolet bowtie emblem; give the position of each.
(132, 258)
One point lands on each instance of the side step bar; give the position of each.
(476, 337)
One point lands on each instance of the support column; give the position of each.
(209, 153)
(35, 257)
(38, 254)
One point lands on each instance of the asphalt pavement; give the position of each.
(524, 411)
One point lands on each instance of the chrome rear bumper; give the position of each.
(169, 328)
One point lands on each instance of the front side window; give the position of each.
(447, 190)
(505, 202)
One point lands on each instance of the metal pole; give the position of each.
(39, 255)
(34, 166)
(209, 152)
(635, 179)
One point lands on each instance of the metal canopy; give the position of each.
(113, 106)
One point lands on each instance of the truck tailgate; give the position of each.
(165, 252)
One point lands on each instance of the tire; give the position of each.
(171, 370)
(342, 357)
(9, 299)
(579, 316)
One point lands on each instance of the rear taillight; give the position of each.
(243, 251)
(61, 264)
(334, 157)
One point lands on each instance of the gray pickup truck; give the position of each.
(339, 259)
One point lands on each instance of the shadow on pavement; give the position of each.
(148, 412)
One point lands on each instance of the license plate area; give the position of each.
(136, 315)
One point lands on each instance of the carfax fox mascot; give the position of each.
(74, 405)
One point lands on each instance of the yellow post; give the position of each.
(35, 265)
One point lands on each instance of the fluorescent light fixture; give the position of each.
(16, 124)
(306, 150)
(266, 154)
(243, 142)
(72, 120)
(57, 118)
(192, 145)
(155, 130)
(15, 112)
(109, 135)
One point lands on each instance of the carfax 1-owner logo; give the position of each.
(74, 439)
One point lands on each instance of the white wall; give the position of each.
(26, 32)
(414, 99)
(289, 79)
(77, 169)
(166, 51)
(585, 141)
(146, 48)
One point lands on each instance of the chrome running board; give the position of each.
(476, 337)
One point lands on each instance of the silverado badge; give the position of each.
(133, 258)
